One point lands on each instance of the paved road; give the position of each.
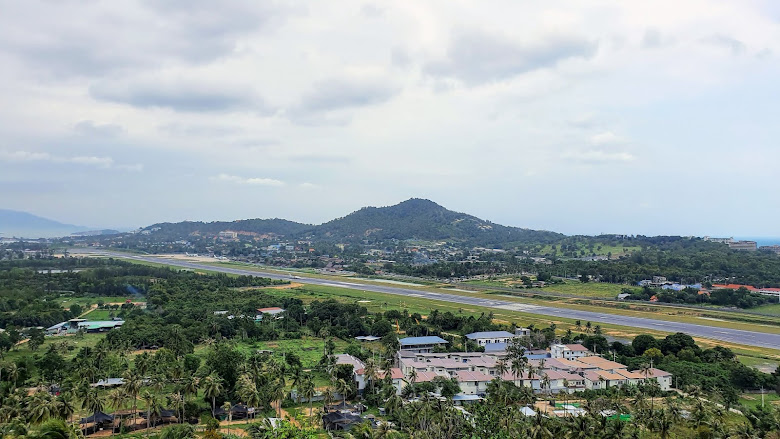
(749, 338)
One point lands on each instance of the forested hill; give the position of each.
(182, 230)
(425, 220)
(411, 219)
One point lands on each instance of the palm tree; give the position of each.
(501, 368)
(343, 387)
(176, 401)
(578, 326)
(152, 406)
(41, 408)
(212, 387)
(92, 401)
(328, 396)
(12, 370)
(227, 408)
(277, 393)
(132, 387)
(307, 390)
(65, 408)
(370, 372)
(664, 424)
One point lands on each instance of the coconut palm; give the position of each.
(227, 407)
(12, 371)
(152, 406)
(344, 388)
(307, 390)
(132, 387)
(212, 387)
(370, 372)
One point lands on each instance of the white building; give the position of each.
(472, 383)
(490, 337)
(569, 351)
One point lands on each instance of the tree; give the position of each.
(132, 387)
(643, 342)
(653, 354)
(307, 390)
(181, 431)
(226, 406)
(36, 338)
(212, 387)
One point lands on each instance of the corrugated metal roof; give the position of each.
(413, 341)
(489, 334)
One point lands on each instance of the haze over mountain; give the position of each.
(14, 223)
(411, 219)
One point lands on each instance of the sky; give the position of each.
(580, 117)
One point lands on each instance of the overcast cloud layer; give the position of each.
(583, 117)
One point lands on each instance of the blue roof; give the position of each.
(464, 397)
(495, 347)
(412, 341)
(489, 334)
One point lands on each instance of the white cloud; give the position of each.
(27, 156)
(596, 156)
(607, 138)
(254, 181)
(425, 95)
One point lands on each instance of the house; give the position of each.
(569, 351)
(355, 362)
(338, 421)
(566, 382)
(460, 400)
(396, 376)
(367, 338)
(109, 383)
(489, 337)
(601, 363)
(633, 378)
(421, 344)
(663, 378)
(522, 332)
(273, 311)
(496, 348)
(472, 383)
(599, 379)
(536, 354)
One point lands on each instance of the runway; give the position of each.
(738, 336)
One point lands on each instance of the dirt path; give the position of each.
(289, 417)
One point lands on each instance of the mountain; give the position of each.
(412, 219)
(425, 220)
(14, 223)
(275, 226)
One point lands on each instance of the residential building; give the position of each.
(355, 362)
(489, 337)
(472, 383)
(522, 332)
(273, 311)
(599, 379)
(663, 378)
(395, 374)
(421, 344)
(743, 245)
(569, 351)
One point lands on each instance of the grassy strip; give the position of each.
(423, 306)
